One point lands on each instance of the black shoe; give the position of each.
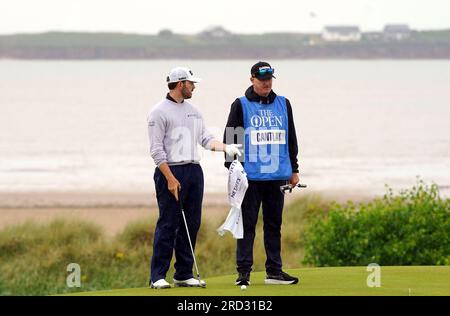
(280, 278)
(243, 279)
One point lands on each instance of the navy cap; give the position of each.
(262, 71)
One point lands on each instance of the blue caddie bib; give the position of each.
(266, 140)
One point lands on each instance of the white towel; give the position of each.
(233, 224)
(237, 186)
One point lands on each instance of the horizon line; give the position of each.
(233, 33)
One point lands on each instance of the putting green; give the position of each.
(398, 281)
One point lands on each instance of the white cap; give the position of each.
(181, 74)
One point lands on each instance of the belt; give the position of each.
(185, 162)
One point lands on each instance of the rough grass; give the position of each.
(34, 257)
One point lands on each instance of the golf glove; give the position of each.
(233, 149)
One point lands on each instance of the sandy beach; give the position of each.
(114, 210)
(110, 210)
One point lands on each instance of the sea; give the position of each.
(362, 125)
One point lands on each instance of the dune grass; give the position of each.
(34, 257)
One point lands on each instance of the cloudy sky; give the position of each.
(240, 16)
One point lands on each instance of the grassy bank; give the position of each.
(410, 228)
(168, 45)
(34, 257)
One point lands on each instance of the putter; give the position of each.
(288, 187)
(189, 238)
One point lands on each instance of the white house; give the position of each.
(397, 31)
(216, 31)
(341, 34)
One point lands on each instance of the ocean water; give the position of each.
(81, 125)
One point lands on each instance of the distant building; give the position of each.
(341, 34)
(396, 31)
(216, 32)
(373, 36)
(165, 33)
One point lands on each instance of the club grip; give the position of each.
(179, 198)
(288, 187)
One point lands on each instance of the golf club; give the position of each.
(288, 187)
(189, 238)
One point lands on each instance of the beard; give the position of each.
(186, 93)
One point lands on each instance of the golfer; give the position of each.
(175, 128)
(263, 122)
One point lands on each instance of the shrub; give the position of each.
(411, 228)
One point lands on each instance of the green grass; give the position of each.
(395, 281)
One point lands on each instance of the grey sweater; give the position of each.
(174, 130)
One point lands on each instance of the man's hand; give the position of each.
(173, 185)
(294, 179)
(233, 149)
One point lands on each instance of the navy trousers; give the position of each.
(170, 232)
(269, 195)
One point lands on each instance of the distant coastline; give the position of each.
(168, 45)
